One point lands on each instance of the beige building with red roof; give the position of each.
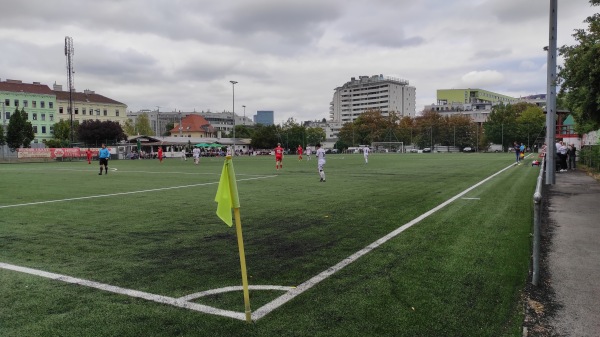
(88, 105)
(193, 126)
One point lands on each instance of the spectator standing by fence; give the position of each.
(572, 156)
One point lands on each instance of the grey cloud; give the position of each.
(125, 66)
(383, 36)
(299, 22)
(491, 54)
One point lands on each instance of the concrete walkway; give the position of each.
(574, 255)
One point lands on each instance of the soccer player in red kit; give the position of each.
(299, 152)
(88, 153)
(160, 154)
(278, 157)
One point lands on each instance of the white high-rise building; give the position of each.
(384, 93)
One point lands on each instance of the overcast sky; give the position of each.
(287, 56)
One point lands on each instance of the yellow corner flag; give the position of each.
(227, 198)
(227, 193)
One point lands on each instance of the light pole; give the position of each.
(3, 125)
(233, 83)
(180, 126)
(243, 106)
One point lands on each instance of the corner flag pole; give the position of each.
(238, 229)
(227, 198)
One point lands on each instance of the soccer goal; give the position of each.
(388, 147)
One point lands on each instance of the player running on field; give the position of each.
(299, 152)
(366, 154)
(320, 162)
(278, 157)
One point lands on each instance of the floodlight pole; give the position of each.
(233, 83)
(243, 106)
(551, 97)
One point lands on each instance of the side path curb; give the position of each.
(567, 300)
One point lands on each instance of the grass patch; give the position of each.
(152, 227)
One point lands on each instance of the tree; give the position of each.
(129, 127)
(142, 125)
(97, 132)
(265, 137)
(501, 126)
(429, 128)
(20, 131)
(62, 132)
(531, 123)
(314, 136)
(168, 128)
(2, 137)
(579, 77)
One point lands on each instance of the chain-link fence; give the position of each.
(589, 155)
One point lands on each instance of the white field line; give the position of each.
(281, 300)
(115, 169)
(128, 292)
(124, 193)
(471, 198)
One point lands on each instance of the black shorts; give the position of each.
(104, 161)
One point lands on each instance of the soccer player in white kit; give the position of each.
(366, 154)
(308, 152)
(321, 161)
(196, 154)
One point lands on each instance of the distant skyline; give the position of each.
(287, 56)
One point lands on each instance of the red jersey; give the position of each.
(278, 152)
(299, 150)
(160, 152)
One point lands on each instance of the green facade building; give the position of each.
(38, 100)
(466, 96)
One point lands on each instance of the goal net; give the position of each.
(388, 147)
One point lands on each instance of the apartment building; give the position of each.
(36, 99)
(88, 105)
(384, 93)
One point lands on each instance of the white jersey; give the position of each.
(366, 151)
(321, 154)
(196, 152)
(308, 151)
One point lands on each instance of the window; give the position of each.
(43, 129)
(34, 116)
(42, 104)
(105, 112)
(91, 111)
(83, 111)
(25, 103)
(77, 111)
(52, 117)
(60, 110)
(35, 129)
(51, 105)
(97, 112)
(7, 115)
(117, 113)
(43, 117)
(34, 104)
(16, 102)
(52, 129)
(7, 102)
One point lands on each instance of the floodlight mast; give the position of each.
(69, 52)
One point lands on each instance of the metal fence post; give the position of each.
(537, 219)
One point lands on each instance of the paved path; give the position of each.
(574, 257)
